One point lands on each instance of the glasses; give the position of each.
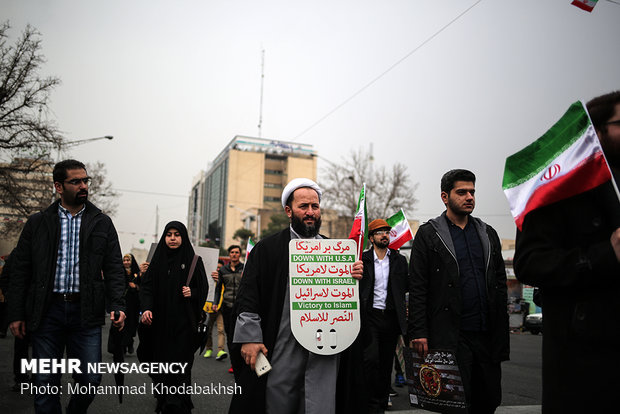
(381, 232)
(77, 181)
(616, 122)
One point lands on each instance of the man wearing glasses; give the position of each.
(384, 317)
(66, 262)
(458, 298)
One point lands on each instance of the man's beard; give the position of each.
(382, 243)
(81, 197)
(303, 229)
(456, 209)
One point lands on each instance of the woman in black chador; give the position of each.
(132, 302)
(172, 309)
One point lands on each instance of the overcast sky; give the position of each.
(175, 81)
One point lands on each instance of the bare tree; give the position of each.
(24, 97)
(27, 137)
(100, 191)
(387, 189)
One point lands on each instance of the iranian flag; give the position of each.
(566, 161)
(248, 249)
(587, 5)
(359, 231)
(401, 231)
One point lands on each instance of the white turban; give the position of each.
(299, 183)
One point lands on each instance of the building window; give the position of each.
(275, 172)
(271, 199)
(273, 185)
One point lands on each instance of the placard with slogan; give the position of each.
(325, 316)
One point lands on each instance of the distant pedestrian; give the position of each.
(229, 281)
(132, 300)
(172, 309)
(215, 319)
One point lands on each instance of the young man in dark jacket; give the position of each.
(458, 298)
(571, 251)
(66, 262)
(229, 279)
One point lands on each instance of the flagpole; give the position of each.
(360, 247)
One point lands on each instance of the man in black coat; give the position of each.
(300, 381)
(66, 262)
(458, 298)
(571, 251)
(384, 311)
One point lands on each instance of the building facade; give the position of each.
(243, 185)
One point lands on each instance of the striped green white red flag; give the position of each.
(587, 5)
(249, 248)
(359, 231)
(401, 231)
(567, 160)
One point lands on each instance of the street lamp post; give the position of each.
(77, 142)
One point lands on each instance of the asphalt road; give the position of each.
(521, 383)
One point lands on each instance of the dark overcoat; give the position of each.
(435, 298)
(565, 250)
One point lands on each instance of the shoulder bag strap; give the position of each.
(191, 269)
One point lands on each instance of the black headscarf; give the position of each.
(174, 317)
(134, 269)
(179, 258)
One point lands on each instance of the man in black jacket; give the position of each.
(571, 251)
(458, 298)
(229, 279)
(66, 262)
(384, 311)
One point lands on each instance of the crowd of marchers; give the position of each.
(67, 273)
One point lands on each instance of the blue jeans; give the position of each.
(61, 328)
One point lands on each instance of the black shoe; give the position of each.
(392, 392)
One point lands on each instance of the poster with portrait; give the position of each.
(435, 381)
(324, 297)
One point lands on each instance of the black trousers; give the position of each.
(481, 376)
(20, 351)
(382, 330)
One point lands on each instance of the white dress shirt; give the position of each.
(382, 273)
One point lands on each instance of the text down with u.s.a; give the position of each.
(324, 297)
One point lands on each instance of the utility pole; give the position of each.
(156, 222)
(262, 81)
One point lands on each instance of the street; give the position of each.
(521, 382)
